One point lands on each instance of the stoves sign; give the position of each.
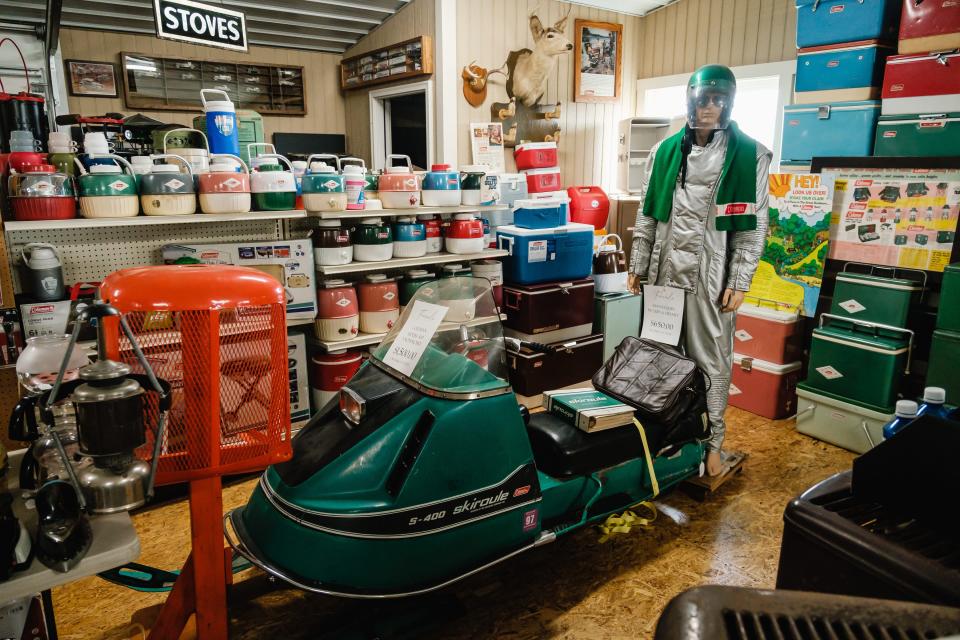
(200, 23)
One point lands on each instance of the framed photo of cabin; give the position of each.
(91, 79)
(599, 61)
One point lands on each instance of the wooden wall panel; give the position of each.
(417, 18)
(690, 33)
(325, 109)
(487, 30)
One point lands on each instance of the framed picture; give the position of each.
(88, 78)
(599, 64)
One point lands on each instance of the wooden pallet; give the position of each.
(700, 488)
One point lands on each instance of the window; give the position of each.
(762, 92)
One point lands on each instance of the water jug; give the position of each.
(44, 271)
(906, 413)
(222, 132)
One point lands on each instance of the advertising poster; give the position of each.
(486, 140)
(903, 221)
(791, 270)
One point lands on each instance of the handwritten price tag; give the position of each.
(414, 337)
(662, 314)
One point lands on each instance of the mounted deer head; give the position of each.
(550, 41)
(530, 69)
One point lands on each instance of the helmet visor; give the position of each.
(709, 106)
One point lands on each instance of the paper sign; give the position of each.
(662, 314)
(537, 251)
(412, 340)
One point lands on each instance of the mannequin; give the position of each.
(702, 228)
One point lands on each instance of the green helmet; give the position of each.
(711, 83)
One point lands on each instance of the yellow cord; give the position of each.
(626, 521)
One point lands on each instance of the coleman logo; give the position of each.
(199, 23)
(735, 209)
(410, 182)
(889, 134)
(330, 184)
(42, 308)
(232, 183)
(833, 63)
(863, 183)
(209, 255)
(479, 504)
(794, 123)
(119, 185)
(389, 295)
(173, 184)
(934, 124)
(342, 302)
(895, 88)
(837, 9)
(43, 186)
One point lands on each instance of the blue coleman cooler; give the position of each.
(841, 72)
(546, 255)
(835, 129)
(821, 22)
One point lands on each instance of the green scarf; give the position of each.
(738, 181)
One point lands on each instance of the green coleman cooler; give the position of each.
(918, 135)
(859, 361)
(948, 315)
(873, 298)
(944, 360)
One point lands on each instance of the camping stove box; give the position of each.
(772, 335)
(299, 380)
(764, 388)
(289, 261)
(858, 363)
(548, 313)
(533, 372)
(870, 298)
(855, 426)
(926, 83)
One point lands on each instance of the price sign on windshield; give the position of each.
(414, 337)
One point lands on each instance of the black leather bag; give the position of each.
(663, 386)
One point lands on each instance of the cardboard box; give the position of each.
(299, 382)
(289, 261)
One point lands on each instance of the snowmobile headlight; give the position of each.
(352, 406)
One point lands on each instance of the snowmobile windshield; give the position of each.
(449, 340)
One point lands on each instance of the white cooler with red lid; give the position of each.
(541, 180)
(772, 334)
(536, 155)
(764, 388)
(329, 372)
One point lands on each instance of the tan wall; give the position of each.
(325, 109)
(691, 33)
(488, 30)
(416, 19)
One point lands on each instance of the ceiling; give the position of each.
(634, 7)
(316, 25)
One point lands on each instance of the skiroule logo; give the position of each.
(479, 504)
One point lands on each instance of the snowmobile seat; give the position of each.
(561, 450)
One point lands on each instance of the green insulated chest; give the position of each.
(944, 359)
(871, 298)
(948, 314)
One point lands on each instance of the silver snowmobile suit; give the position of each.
(688, 253)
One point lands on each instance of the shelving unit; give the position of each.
(141, 221)
(403, 263)
(418, 211)
(370, 339)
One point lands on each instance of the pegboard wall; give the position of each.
(91, 253)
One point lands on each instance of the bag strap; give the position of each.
(646, 455)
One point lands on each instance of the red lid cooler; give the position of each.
(769, 334)
(764, 388)
(536, 155)
(929, 26)
(540, 180)
(927, 83)
(589, 205)
(329, 372)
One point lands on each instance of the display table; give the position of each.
(114, 543)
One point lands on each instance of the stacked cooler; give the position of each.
(767, 350)
(921, 86)
(539, 162)
(945, 347)
(548, 297)
(858, 356)
(842, 47)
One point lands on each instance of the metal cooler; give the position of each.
(874, 298)
(616, 316)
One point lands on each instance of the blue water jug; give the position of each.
(222, 130)
(934, 399)
(906, 413)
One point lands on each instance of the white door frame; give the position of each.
(379, 119)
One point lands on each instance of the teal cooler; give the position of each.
(616, 316)
(948, 314)
(832, 129)
(841, 72)
(872, 298)
(858, 362)
(918, 135)
(821, 22)
(944, 359)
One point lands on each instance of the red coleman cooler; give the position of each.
(536, 155)
(764, 388)
(589, 205)
(926, 83)
(929, 25)
(770, 334)
(329, 372)
(540, 180)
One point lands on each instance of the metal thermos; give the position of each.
(44, 272)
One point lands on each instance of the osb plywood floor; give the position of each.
(575, 588)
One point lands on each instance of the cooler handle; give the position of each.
(866, 432)
(252, 145)
(511, 299)
(181, 159)
(232, 157)
(351, 160)
(875, 326)
(604, 239)
(812, 407)
(203, 99)
(278, 157)
(816, 3)
(505, 239)
(771, 301)
(392, 156)
(335, 157)
(893, 270)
